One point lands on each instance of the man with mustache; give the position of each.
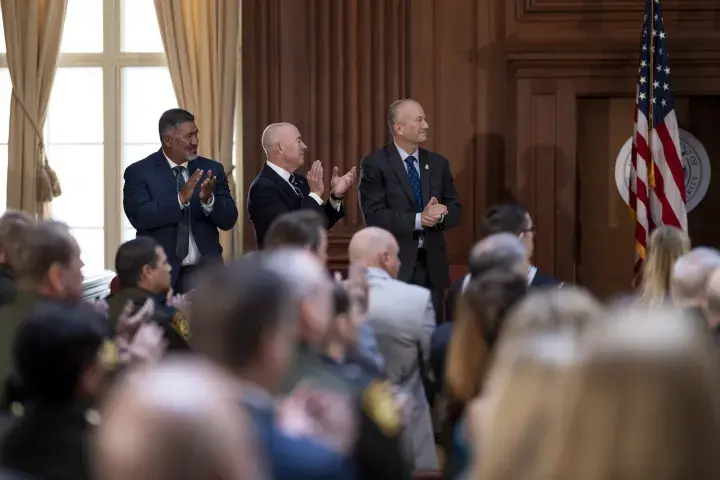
(278, 189)
(410, 192)
(180, 199)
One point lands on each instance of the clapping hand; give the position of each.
(180, 301)
(433, 213)
(315, 178)
(128, 324)
(207, 187)
(340, 185)
(148, 346)
(187, 190)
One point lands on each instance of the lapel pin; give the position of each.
(427, 167)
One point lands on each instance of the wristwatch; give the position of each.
(337, 199)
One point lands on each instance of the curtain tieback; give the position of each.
(48, 185)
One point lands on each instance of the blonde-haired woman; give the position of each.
(665, 245)
(643, 402)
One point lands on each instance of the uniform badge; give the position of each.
(380, 406)
(109, 354)
(180, 324)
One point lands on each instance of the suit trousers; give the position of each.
(421, 277)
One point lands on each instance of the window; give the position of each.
(75, 147)
(142, 34)
(146, 93)
(5, 92)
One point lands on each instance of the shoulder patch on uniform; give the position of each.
(379, 404)
(109, 354)
(180, 324)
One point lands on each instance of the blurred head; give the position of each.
(499, 250)
(375, 247)
(58, 352)
(520, 405)
(665, 245)
(142, 263)
(408, 124)
(690, 276)
(49, 262)
(299, 229)
(568, 309)
(179, 420)
(645, 382)
(179, 135)
(14, 228)
(244, 317)
(343, 328)
(311, 286)
(284, 146)
(511, 218)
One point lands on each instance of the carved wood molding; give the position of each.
(582, 10)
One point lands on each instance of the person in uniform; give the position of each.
(62, 356)
(143, 273)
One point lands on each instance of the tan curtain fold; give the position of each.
(201, 40)
(33, 31)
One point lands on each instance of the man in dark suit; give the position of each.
(410, 192)
(512, 218)
(278, 189)
(180, 199)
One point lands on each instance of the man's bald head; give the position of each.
(691, 273)
(375, 247)
(178, 420)
(283, 145)
(499, 250)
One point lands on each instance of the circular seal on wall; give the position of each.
(695, 163)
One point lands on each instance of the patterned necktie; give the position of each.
(415, 182)
(182, 241)
(293, 182)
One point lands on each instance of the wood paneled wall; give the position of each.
(502, 82)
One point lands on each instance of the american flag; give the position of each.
(657, 185)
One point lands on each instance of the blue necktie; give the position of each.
(415, 182)
(182, 241)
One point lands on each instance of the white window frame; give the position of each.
(113, 60)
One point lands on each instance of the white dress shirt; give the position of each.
(285, 175)
(193, 255)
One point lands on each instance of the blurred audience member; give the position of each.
(403, 319)
(258, 351)
(62, 357)
(690, 276)
(358, 397)
(177, 421)
(665, 246)
(498, 269)
(143, 273)
(14, 228)
(642, 401)
(299, 229)
(48, 267)
(712, 312)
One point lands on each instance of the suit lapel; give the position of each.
(164, 172)
(398, 167)
(424, 175)
(287, 191)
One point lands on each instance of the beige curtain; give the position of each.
(33, 31)
(201, 39)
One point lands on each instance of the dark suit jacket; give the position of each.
(150, 201)
(387, 201)
(270, 196)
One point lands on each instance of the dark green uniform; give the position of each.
(173, 322)
(378, 453)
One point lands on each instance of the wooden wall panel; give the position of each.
(501, 82)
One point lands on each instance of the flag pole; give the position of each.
(651, 96)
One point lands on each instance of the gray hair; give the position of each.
(299, 268)
(691, 272)
(499, 250)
